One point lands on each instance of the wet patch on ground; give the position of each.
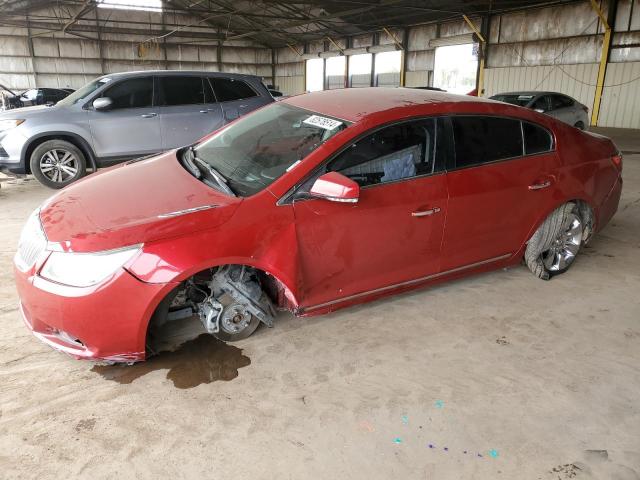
(204, 359)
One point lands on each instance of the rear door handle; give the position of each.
(425, 213)
(204, 111)
(540, 186)
(148, 115)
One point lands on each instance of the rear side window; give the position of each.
(228, 89)
(132, 93)
(481, 140)
(178, 90)
(393, 153)
(560, 101)
(536, 139)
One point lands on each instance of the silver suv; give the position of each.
(122, 116)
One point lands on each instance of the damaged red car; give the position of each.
(310, 204)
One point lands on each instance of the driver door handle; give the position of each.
(540, 186)
(148, 115)
(426, 213)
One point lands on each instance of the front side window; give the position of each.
(480, 139)
(180, 90)
(536, 139)
(132, 93)
(228, 89)
(259, 148)
(393, 153)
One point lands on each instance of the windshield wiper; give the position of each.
(213, 173)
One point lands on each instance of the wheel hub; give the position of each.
(235, 318)
(58, 165)
(565, 246)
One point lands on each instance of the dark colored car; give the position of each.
(37, 96)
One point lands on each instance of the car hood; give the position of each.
(136, 202)
(27, 112)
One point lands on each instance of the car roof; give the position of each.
(533, 93)
(353, 104)
(139, 73)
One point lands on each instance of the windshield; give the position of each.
(258, 149)
(520, 100)
(83, 92)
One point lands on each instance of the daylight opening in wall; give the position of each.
(360, 70)
(315, 75)
(388, 68)
(335, 72)
(149, 5)
(455, 68)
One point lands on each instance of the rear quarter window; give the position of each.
(227, 89)
(536, 139)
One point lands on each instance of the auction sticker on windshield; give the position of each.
(322, 122)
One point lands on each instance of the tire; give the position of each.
(556, 243)
(57, 163)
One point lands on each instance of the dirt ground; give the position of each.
(499, 375)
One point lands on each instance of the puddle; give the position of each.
(204, 359)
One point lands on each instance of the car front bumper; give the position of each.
(12, 143)
(107, 322)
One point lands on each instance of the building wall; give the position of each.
(65, 60)
(559, 48)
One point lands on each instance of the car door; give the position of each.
(236, 97)
(392, 234)
(131, 127)
(498, 186)
(188, 110)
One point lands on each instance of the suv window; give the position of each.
(536, 139)
(228, 89)
(393, 153)
(132, 93)
(180, 90)
(480, 139)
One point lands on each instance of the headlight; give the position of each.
(9, 124)
(86, 269)
(32, 242)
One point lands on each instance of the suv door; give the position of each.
(393, 233)
(236, 97)
(131, 127)
(498, 187)
(188, 110)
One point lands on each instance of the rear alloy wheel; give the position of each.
(556, 243)
(57, 163)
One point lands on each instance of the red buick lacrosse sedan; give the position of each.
(310, 204)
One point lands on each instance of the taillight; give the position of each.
(585, 108)
(617, 161)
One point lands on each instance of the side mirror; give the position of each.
(335, 187)
(102, 104)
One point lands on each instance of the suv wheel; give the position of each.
(57, 163)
